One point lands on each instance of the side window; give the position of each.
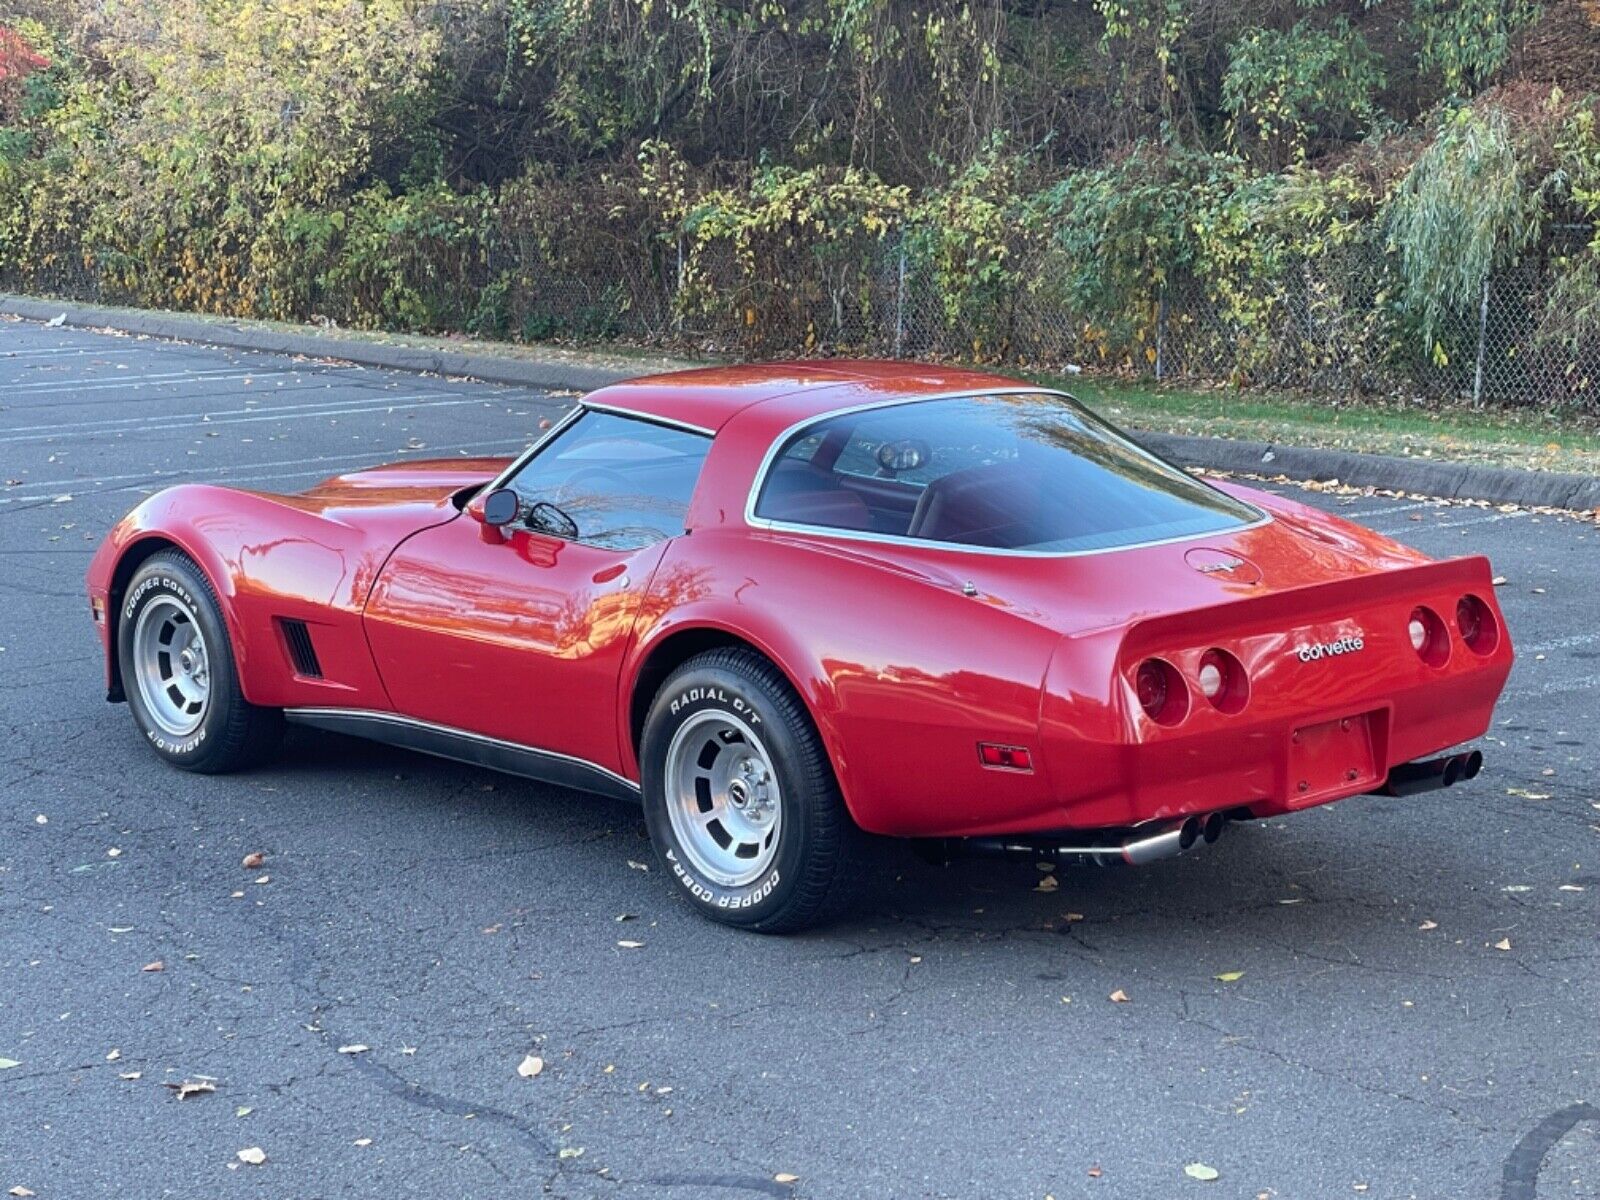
(620, 482)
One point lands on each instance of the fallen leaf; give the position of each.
(1503, 944)
(1229, 977)
(1072, 918)
(192, 1087)
(571, 1152)
(1426, 925)
(243, 1111)
(114, 852)
(1048, 884)
(638, 866)
(19, 1190)
(530, 1066)
(1498, 581)
(114, 1055)
(1119, 997)
(264, 879)
(363, 1141)
(1527, 795)
(785, 1177)
(1202, 1172)
(1095, 1172)
(254, 1155)
(627, 945)
(353, 1048)
(158, 965)
(130, 1075)
(252, 860)
(1569, 887)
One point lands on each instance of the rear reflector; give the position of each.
(1007, 758)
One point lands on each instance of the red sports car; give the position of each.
(788, 605)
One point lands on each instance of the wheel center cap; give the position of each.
(739, 794)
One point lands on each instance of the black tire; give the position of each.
(232, 733)
(818, 859)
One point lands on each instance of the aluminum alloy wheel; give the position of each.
(170, 665)
(723, 798)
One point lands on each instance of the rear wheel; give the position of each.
(740, 797)
(179, 674)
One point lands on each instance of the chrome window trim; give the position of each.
(309, 713)
(856, 535)
(651, 418)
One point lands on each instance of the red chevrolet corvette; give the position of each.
(787, 605)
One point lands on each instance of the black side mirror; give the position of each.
(500, 507)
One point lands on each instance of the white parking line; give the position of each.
(93, 485)
(161, 379)
(214, 416)
(1562, 643)
(194, 423)
(1387, 510)
(1483, 519)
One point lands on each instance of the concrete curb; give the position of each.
(491, 368)
(1451, 480)
(1458, 481)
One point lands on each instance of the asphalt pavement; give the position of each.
(1380, 998)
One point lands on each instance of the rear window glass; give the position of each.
(1025, 471)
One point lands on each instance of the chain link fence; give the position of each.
(1329, 325)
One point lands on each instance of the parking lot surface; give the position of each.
(1382, 997)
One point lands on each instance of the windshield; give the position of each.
(1025, 471)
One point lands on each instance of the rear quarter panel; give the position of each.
(902, 673)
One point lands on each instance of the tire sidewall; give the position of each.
(717, 689)
(167, 576)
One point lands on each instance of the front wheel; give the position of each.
(179, 675)
(740, 797)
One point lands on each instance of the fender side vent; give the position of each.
(301, 652)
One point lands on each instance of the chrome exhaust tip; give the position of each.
(1211, 826)
(1171, 839)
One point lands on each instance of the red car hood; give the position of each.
(427, 482)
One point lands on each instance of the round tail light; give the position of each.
(1429, 638)
(1477, 626)
(1161, 691)
(1223, 681)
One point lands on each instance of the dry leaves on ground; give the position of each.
(530, 1066)
(252, 860)
(192, 1087)
(254, 1155)
(1119, 997)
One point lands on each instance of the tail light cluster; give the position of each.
(1164, 693)
(1475, 625)
(1222, 681)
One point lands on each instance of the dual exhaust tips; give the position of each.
(1427, 775)
(1157, 840)
(1145, 844)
